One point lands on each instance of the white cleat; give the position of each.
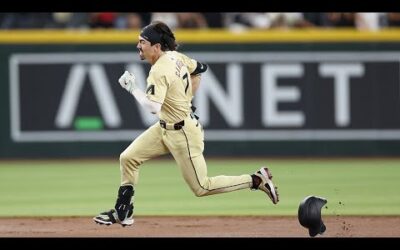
(266, 184)
(111, 217)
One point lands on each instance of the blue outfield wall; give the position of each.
(261, 98)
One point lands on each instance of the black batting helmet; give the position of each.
(309, 214)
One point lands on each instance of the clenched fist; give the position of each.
(127, 81)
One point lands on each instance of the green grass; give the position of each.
(85, 188)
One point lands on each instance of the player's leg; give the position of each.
(148, 145)
(194, 171)
(186, 146)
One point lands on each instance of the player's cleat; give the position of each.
(266, 184)
(111, 217)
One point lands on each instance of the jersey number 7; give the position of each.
(185, 76)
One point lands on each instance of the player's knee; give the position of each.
(203, 189)
(123, 158)
(128, 161)
(200, 192)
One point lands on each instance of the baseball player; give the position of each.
(173, 80)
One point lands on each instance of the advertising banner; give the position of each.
(244, 96)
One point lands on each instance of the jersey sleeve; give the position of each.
(157, 86)
(194, 67)
(190, 63)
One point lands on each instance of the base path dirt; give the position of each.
(199, 226)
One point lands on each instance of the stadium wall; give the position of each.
(267, 93)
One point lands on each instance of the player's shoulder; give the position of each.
(175, 55)
(181, 55)
(163, 66)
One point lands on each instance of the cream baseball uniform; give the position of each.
(169, 84)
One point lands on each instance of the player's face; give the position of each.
(145, 49)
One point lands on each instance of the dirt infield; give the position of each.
(199, 226)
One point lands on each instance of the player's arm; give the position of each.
(196, 75)
(195, 82)
(141, 97)
(127, 81)
(199, 69)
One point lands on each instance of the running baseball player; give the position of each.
(172, 82)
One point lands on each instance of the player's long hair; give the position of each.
(167, 37)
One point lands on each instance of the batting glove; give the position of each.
(127, 81)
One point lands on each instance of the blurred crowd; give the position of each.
(199, 20)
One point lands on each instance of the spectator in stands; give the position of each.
(368, 21)
(60, 19)
(26, 20)
(191, 20)
(232, 21)
(341, 19)
(241, 21)
(78, 20)
(287, 20)
(128, 21)
(316, 19)
(393, 19)
(70, 20)
(102, 20)
(133, 21)
(214, 19)
(169, 18)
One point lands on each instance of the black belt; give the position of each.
(169, 126)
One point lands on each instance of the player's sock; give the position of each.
(125, 194)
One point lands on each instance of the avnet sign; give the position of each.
(243, 96)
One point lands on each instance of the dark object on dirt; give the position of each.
(309, 214)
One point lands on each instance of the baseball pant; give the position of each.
(186, 146)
